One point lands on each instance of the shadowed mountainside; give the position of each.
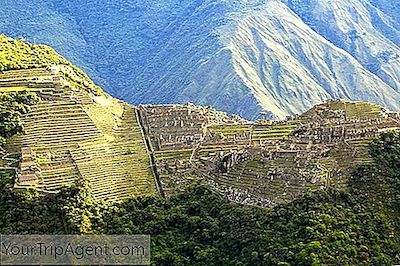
(279, 57)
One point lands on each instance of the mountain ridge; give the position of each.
(179, 52)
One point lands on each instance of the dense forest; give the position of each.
(198, 227)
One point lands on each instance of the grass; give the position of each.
(165, 155)
(362, 110)
(43, 159)
(117, 167)
(18, 89)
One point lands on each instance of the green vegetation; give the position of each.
(17, 89)
(229, 130)
(12, 107)
(351, 110)
(164, 155)
(258, 132)
(276, 132)
(360, 110)
(386, 150)
(70, 134)
(16, 54)
(198, 227)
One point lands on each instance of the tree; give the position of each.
(386, 152)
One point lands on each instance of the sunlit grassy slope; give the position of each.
(76, 130)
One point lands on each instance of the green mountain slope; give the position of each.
(60, 127)
(238, 56)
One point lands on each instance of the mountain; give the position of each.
(60, 127)
(361, 29)
(281, 57)
(75, 161)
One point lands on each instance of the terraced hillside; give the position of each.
(263, 162)
(74, 131)
(73, 134)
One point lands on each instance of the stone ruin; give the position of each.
(265, 162)
(29, 169)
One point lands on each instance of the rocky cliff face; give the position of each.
(241, 57)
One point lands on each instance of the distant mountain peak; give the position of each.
(244, 57)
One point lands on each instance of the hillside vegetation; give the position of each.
(57, 127)
(238, 56)
(18, 54)
(198, 227)
(12, 107)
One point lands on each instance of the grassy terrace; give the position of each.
(17, 89)
(274, 132)
(101, 142)
(24, 73)
(362, 110)
(20, 80)
(229, 130)
(259, 132)
(352, 110)
(56, 125)
(165, 155)
(216, 148)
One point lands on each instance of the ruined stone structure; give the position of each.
(263, 162)
(179, 126)
(29, 169)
